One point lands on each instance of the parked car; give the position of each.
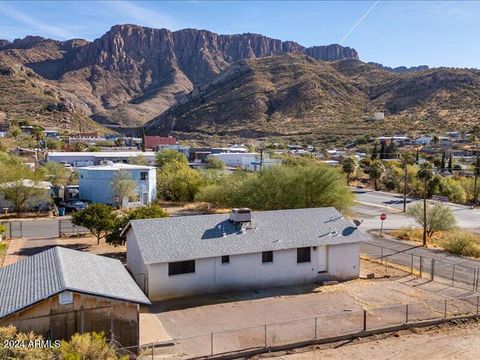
(74, 205)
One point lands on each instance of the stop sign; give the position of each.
(383, 217)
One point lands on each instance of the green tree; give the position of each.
(349, 164)
(22, 185)
(168, 156)
(215, 163)
(453, 189)
(124, 187)
(282, 187)
(439, 217)
(99, 219)
(144, 212)
(176, 181)
(376, 171)
(56, 173)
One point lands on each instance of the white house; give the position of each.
(41, 200)
(88, 158)
(181, 256)
(95, 184)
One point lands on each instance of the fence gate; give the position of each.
(65, 227)
(14, 229)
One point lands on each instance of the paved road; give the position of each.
(40, 228)
(372, 203)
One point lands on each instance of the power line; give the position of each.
(359, 21)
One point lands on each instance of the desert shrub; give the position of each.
(88, 346)
(461, 243)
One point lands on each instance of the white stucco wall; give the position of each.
(344, 261)
(135, 262)
(247, 271)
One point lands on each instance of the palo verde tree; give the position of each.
(282, 187)
(99, 219)
(438, 217)
(167, 156)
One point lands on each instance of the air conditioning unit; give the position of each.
(241, 215)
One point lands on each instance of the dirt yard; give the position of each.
(20, 248)
(227, 322)
(446, 341)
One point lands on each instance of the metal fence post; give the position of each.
(21, 228)
(59, 228)
(474, 278)
(406, 314)
(432, 270)
(421, 265)
(386, 265)
(364, 320)
(153, 351)
(478, 275)
(381, 255)
(211, 343)
(478, 298)
(453, 274)
(265, 335)
(445, 315)
(411, 266)
(315, 328)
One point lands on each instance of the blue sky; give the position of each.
(436, 33)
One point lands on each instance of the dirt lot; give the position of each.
(285, 315)
(20, 248)
(447, 341)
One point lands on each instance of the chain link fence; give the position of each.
(311, 330)
(406, 261)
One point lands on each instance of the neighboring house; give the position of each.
(239, 160)
(181, 256)
(88, 158)
(60, 292)
(154, 142)
(95, 184)
(41, 201)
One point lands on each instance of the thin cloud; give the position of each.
(35, 24)
(359, 21)
(144, 16)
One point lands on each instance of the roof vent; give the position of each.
(241, 215)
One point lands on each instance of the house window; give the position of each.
(144, 175)
(181, 267)
(226, 259)
(303, 255)
(267, 256)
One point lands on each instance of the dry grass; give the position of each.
(457, 242)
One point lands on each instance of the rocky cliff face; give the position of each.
(133, 73)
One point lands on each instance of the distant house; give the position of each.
(60, 292)
(181, 256)
(88, 158)
(154, 142)
(95, 184)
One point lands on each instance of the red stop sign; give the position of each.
(383, 217)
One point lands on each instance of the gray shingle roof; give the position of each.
(58, 269)
(203, 236)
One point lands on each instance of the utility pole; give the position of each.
(405, 187)
(261, 158)
(425, 211)
(476, 170)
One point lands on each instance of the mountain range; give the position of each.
(199, 83)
